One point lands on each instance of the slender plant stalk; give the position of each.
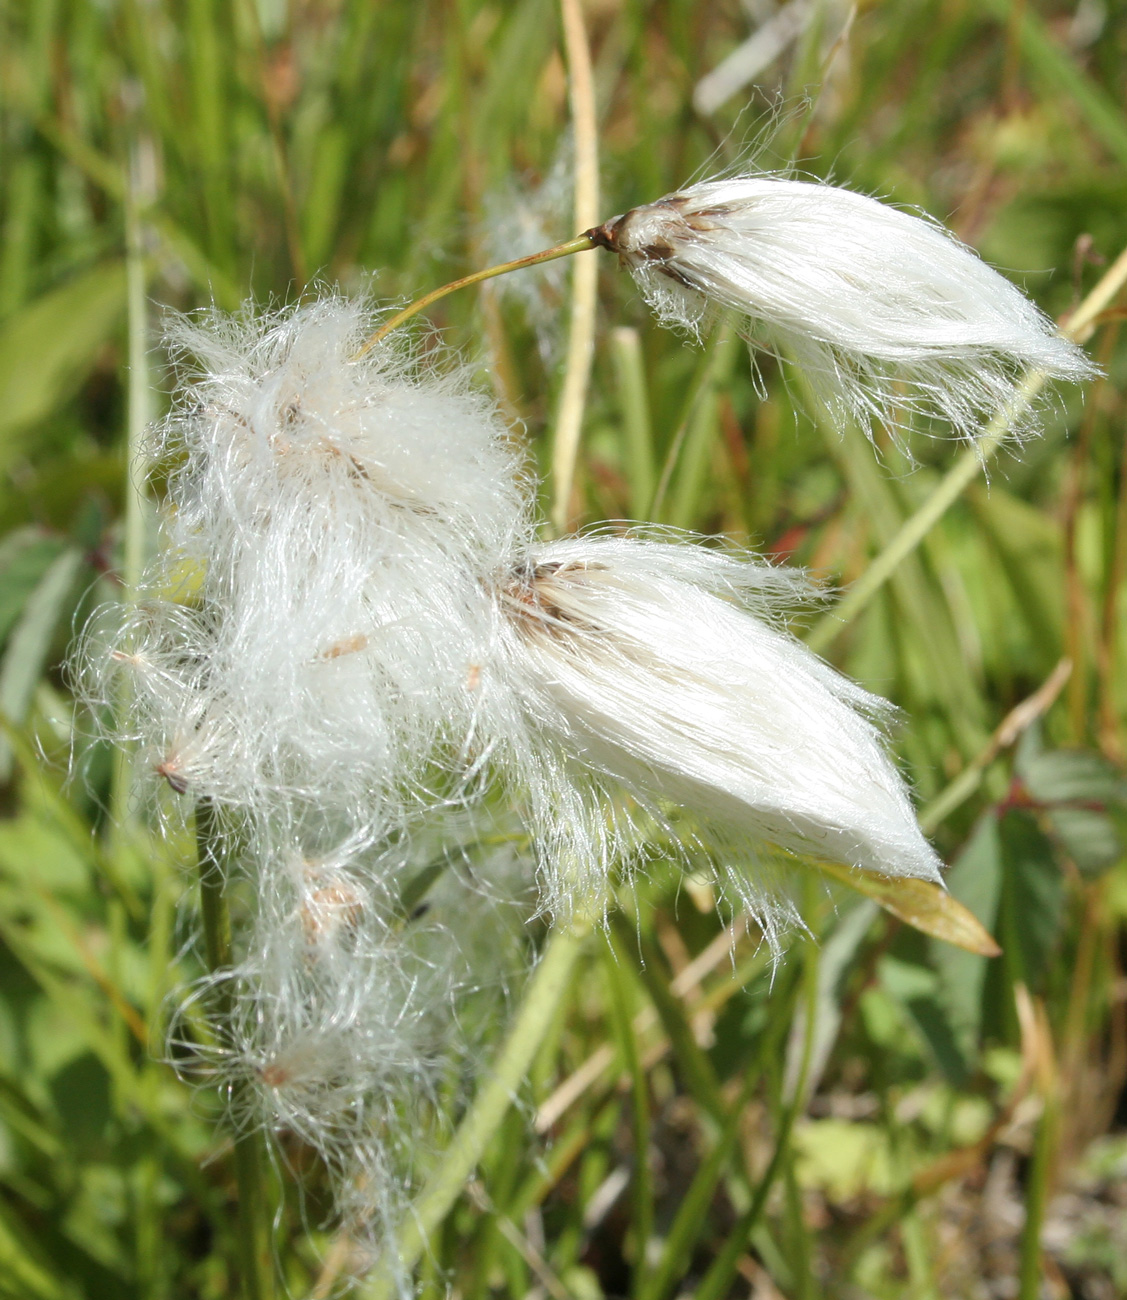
(255, 1255)
(138, 403)
(717, 1282)
(581, 329)
(965, 470)
(641, 1179)
(580, 244)
(637, 428)
(533, 1021)
(1040, 1176)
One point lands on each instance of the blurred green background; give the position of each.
(963, 1129)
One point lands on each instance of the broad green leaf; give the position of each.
(1088, 837)
(1068, 775)
(916, 988)
(1034, 895)
(975, 881)
(920, 904)
(1077, 789)
(47, 348)
(80, 1092)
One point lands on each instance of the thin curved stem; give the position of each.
(545, 990)
(581, 328)
(580, 244)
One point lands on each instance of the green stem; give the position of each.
(717, 1282)
(577, 245)
(616, 973)
(917, 526)
(255, 1263)
(699, 410)
(1031, 1271)
(545, 989)
(634, 412)
(138, 404)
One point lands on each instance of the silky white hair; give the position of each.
(662, 668)
(349, 1019)
(312, 625)
(886, 313)
(302, 657)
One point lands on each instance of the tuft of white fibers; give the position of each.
(312, 627)
(304, 657)
(663, 667)
(349, 1019)
(885, 312)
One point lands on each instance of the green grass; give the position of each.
(874, 1117)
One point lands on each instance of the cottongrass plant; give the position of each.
(353, 649)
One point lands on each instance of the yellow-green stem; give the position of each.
(579, 244)
(585, 279)
(535, 1017)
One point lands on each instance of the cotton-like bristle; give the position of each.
(304, 658)
(313, 625)
(886, 313)
(663, 666)
(348, 1018)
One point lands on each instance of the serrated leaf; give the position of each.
(1035, 894)
(920, 904)
(47, 348)
(1069, 776)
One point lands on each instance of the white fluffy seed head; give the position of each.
(663, 668)
(885, 312)
(350, 1018)
(312, 626)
